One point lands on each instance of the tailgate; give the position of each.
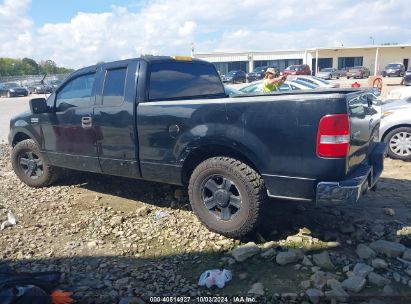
(365, 117)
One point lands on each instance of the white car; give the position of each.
(400, 93)
(314, 80)
(286, 86)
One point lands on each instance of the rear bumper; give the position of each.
(358, 182)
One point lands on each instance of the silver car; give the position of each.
(328, 73)
(395, 128)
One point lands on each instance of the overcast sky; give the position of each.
(76, 33)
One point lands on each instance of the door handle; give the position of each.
(86, 122)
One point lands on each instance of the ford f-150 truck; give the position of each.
(168, 119)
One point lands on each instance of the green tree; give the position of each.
(31, 66)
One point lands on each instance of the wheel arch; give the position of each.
(199, 154)
(404, 125)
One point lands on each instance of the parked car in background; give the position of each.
(257, 87)
(11, 89)
(407, 80)
(234, 76)
(39, 88)
(54, 84)
(395, 128)
(328, 73)
(257, 74)
(358, 72)
(342, 72)
(400, 93)
(314, 81)
(394, 69)
(300, 69)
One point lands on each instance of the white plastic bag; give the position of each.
(11, 221)
(216, 277)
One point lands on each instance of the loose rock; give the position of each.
(257, 289)
(362, 269)
(314, 295)
(389, 249)
(377, 279)
(354, 283)
(246, 251)
(365, 252)
(288, 257)
(389, 211)
(337, 294)
(407, 255)
(379, 264)
(323, 260)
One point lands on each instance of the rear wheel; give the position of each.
(399, 143)
(30, 166)
(226, 195)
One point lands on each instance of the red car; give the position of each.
(300, 69)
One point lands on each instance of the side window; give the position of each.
(358, 105)
(75, 93)
(114, 84)
(184, 80)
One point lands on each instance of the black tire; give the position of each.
(348, 77)
(392, 139)
(30, 166)
(241, 192)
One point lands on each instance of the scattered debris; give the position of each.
(161, 214)
(11, 221)
(215, 277)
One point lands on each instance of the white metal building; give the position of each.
(374, 57)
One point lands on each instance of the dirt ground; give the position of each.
(107, 237)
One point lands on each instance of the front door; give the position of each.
(71, 141)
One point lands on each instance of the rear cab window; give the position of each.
(114, 84)
(184, 80)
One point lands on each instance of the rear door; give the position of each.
(364, 123)
(113, 119)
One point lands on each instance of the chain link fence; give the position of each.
(27, 79)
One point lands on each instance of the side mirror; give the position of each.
(38, 105)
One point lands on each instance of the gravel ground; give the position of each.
(109, 239)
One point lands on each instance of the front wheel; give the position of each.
(30, 166)
(399, 143)
(226, 195)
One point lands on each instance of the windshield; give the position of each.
(255, 87)
(327, 70)
(231, 73)
(11, 85)
(394, 65)
(304, 83)
(231, 91)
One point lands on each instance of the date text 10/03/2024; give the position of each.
(234, 299)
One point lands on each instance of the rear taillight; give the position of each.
(333, 137)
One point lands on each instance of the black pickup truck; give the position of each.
(168, 119)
